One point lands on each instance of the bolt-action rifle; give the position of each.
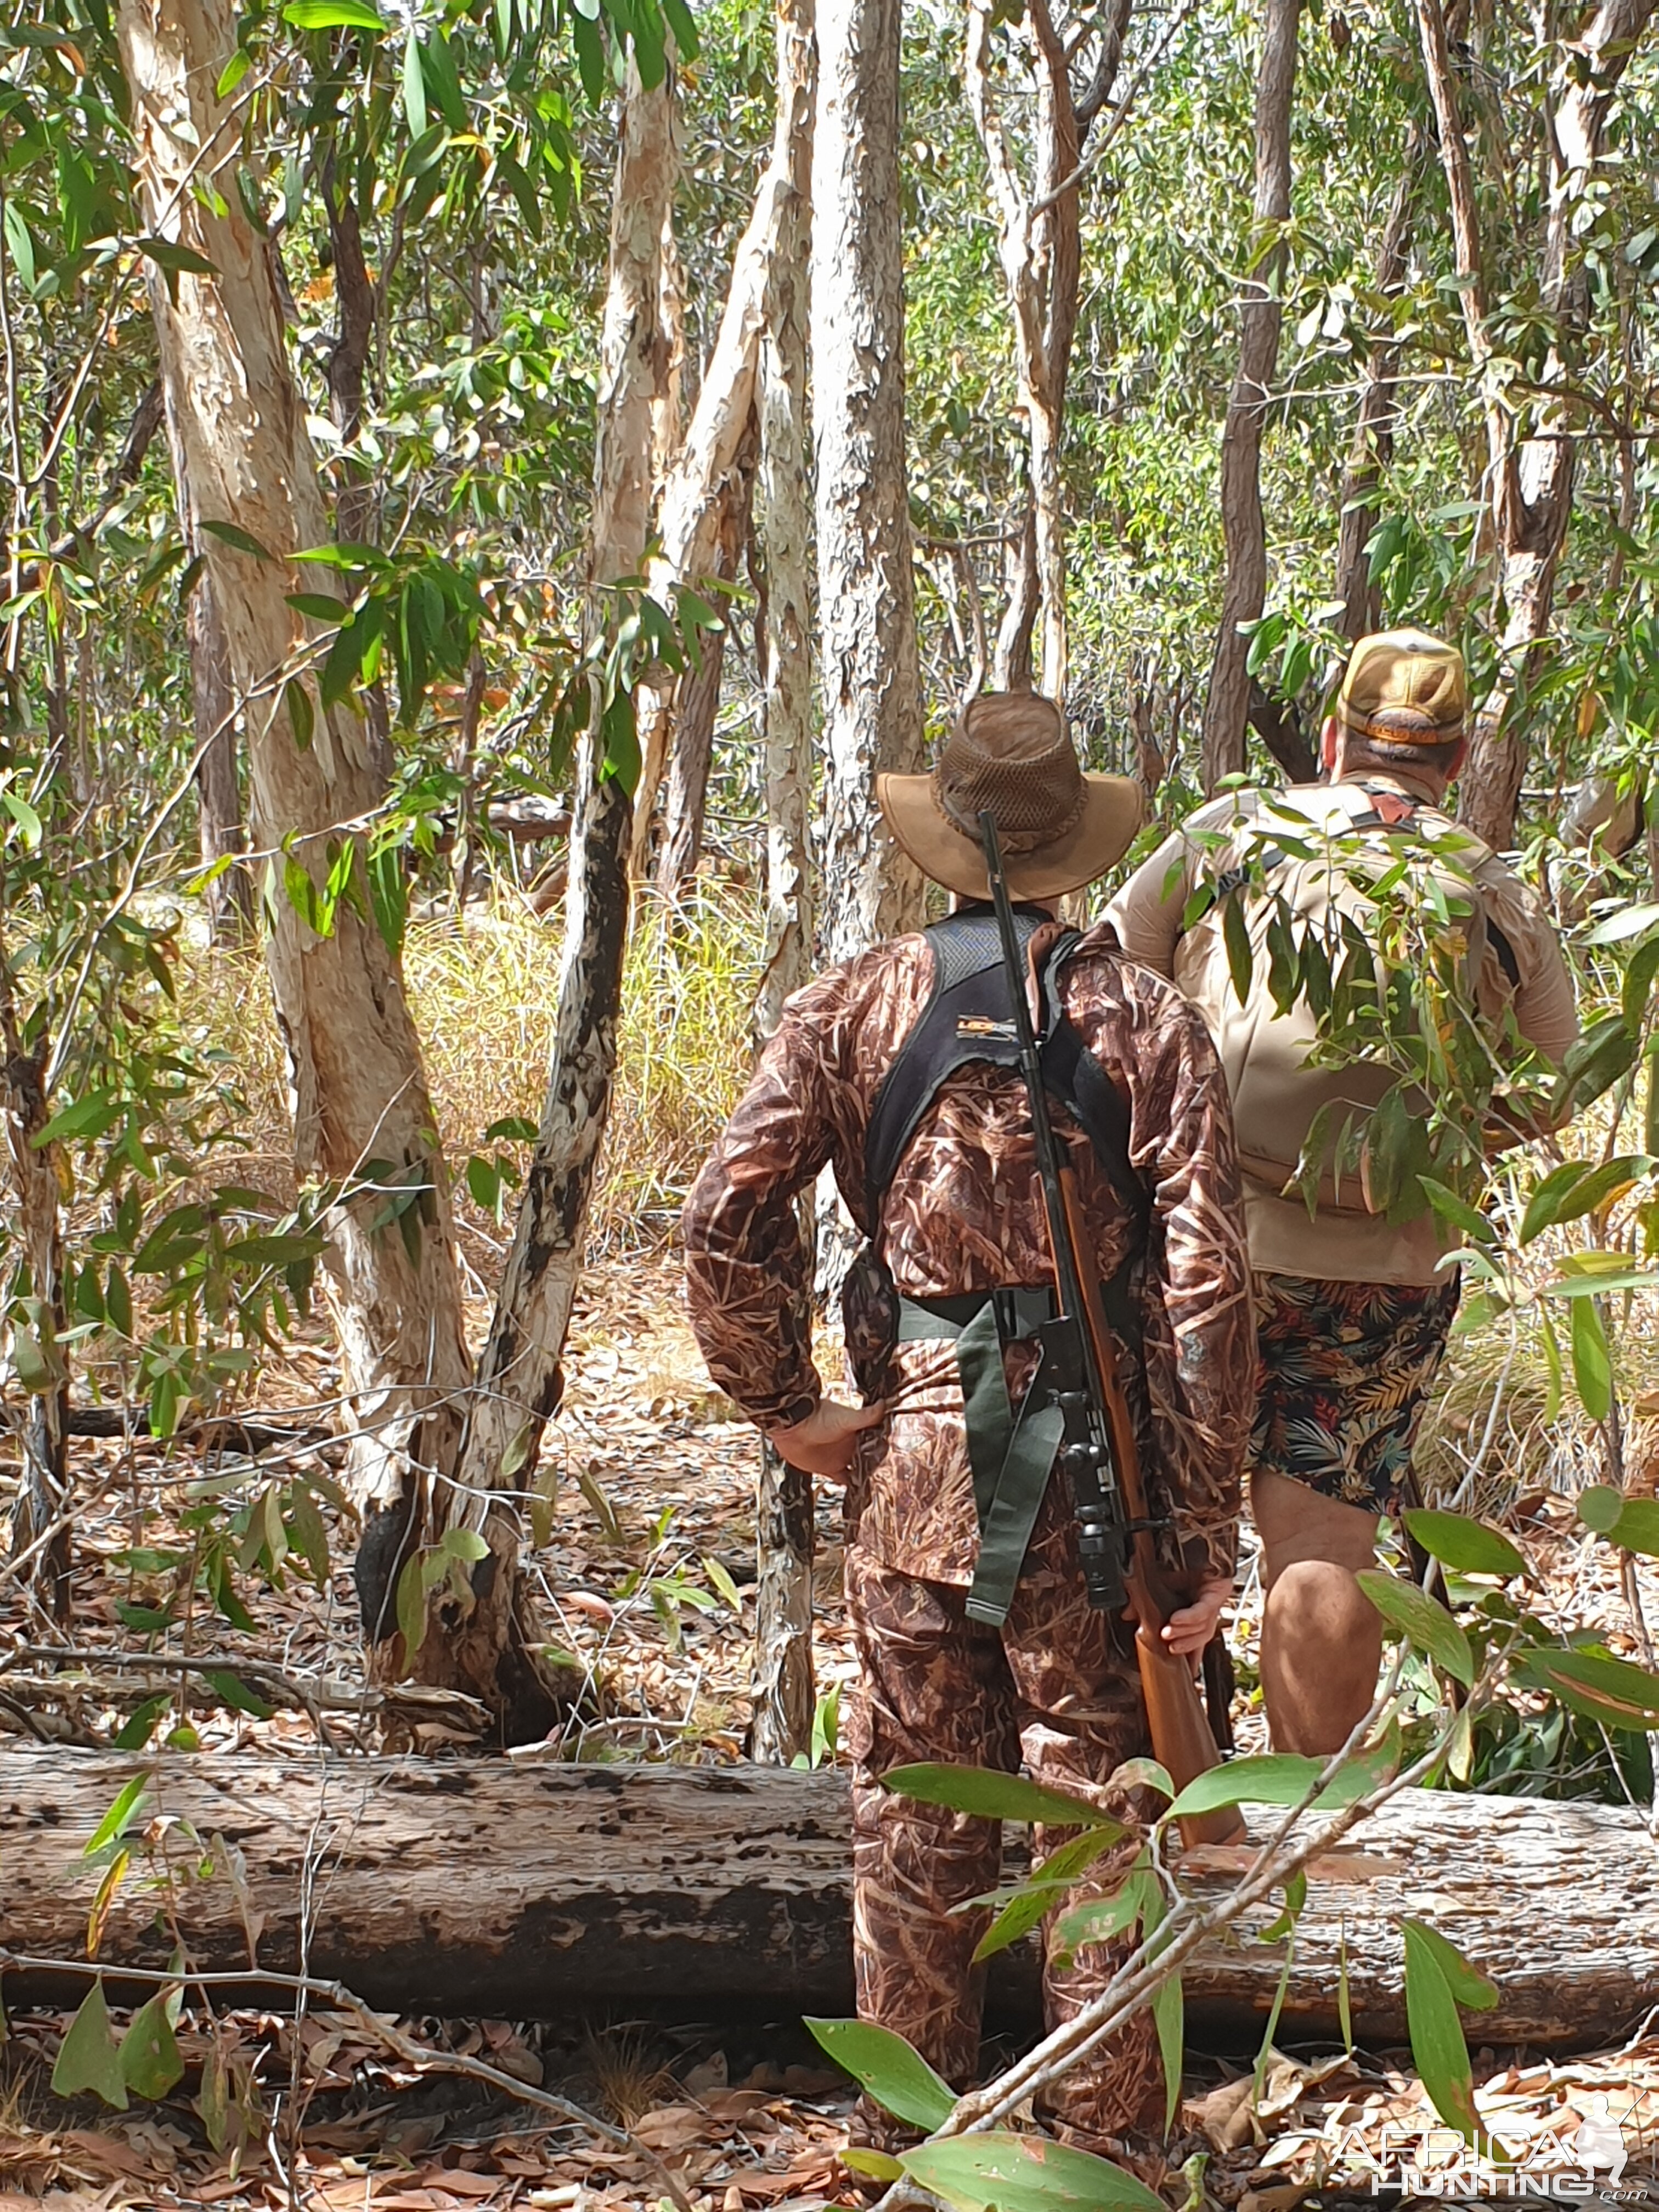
(1099, 1451)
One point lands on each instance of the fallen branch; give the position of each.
(316, 1694)
(375, 2024)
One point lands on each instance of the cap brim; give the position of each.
(1111, 814)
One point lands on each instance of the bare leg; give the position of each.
(1321, 1638)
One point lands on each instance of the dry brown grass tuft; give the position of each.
(483, 989)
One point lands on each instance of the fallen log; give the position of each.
(478, 1887)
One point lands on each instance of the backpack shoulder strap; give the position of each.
(966, 1017)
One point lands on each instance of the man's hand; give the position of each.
(1188, 1631)
(826, 1443)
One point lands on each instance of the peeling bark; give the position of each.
(783, 1687)
(363, 1121)
(870, 672)
(697, 699)
(1226, 706)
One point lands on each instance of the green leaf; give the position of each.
(1458, 1211)
(411, 1607)
(1169, 2017)
(1471, 1989)
(1099, 1919)
(236, 1693)
(135, 1732)
(1022, 1907)
(331, 15)
(231, 533)
(84, 1117)
(1614, 1692)
(1592, 1359)
(876, 2163)
(1235, 936)
(1437, 2042)
(414, 87)
(678, 18)
(1024, 2173)
(21, 245)
(1630, 1522)
(893, 2071)
(989, 1795)
(233, 73)
(90, 2058)
(1426, 1626)
(116, 1822)
(28, 821)
(319, 606)
(150, 2064)
(1470, 1546)
(1280, 1777)
(176, 260)
(720, 1575)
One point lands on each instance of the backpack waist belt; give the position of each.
(1011, 1454)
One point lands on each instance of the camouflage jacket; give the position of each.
(964, 1212)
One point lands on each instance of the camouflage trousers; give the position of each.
(1056, 1686)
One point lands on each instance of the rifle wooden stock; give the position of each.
(1181, 1741)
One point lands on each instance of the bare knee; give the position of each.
(1321, 1641)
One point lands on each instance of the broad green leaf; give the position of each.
(1024, 1906)
(1468, 1545)
(1592, 1359)
(1143, 1774)
(1458, 1211)
(1614, 1692)
(411, 1607)
(1101, 1919)
(139, 1726)
(1471, 1990)
(1556, 1190)
(1280, 1777)
(991, 1795)
(235, 1694)
(1024, 2173)
(28, 822)
(150, 2064)
(464, 1544)
(177, 260)
(895, 2074)
(414, 87)
(233, 534)
(1629, 921)
(84, 1117)
(1426, 1626)
(333, 14)
(233, 73)
(1438, 2045)
(119, 1817)
(90, 2058)
(720, 1575)
(1632, 1522)
(1236, 936)
(877, 2164)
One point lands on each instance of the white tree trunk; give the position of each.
(1226, 707)
(783, 1683)
(363, 1115)
(519, 1374)
(866, 611)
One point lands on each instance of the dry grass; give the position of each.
(483, 988)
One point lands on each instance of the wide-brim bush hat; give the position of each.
(1011, 753)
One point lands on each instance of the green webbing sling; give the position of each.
(1012, 1455)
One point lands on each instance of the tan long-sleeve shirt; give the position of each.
(963, 1213)
(1262, 1049)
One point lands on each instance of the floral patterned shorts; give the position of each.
(1343, 1370)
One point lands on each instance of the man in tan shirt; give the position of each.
(1352, 1309)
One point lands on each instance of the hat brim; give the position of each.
(1104, 829)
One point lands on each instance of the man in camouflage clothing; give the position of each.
(1056, 1684)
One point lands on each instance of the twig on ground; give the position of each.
(412, 2053)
